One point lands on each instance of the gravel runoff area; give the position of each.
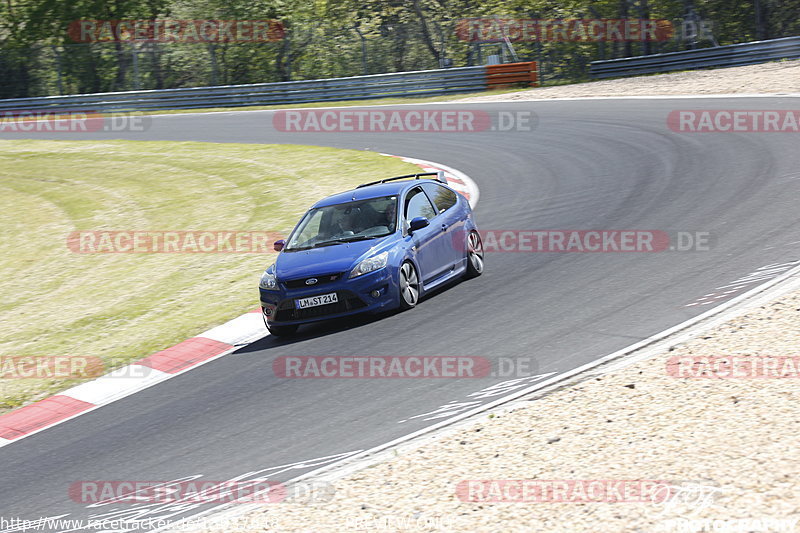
(728, 449)
(778, 77)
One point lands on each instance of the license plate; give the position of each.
(314, 301)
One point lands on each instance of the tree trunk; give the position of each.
(623, 14)
(644, 14)
(426, 34)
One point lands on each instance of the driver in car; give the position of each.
(390, 216)
(372, 218)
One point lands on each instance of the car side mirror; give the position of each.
(418, 223)
(278, 245)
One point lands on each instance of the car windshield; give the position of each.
(347, 222)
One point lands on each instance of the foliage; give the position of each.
(332, 38)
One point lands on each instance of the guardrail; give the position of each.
(733, 55)
(419, 83)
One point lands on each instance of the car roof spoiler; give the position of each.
(439, 176)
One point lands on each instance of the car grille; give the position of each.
(347, 302)
(321, 280)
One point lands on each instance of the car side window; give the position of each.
(443, 198)
(418, 205)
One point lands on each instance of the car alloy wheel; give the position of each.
(474, 255)
(409, 286)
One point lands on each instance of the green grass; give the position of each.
(122, 307)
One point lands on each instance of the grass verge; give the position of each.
(124, 306)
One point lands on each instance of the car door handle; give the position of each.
(444, 227)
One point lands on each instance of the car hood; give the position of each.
(327, 259)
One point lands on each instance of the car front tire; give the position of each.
(409, 285)
(474, 255)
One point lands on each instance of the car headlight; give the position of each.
(268, 281)
(372, 264)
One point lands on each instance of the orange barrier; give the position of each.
(499, 76)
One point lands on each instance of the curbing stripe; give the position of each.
(93, 407)
(185, 354)
(119, 383)
(39, 415)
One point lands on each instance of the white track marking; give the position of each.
(241, 330)
(759, 275)
(117, 384)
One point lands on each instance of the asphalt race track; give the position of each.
(593, 164)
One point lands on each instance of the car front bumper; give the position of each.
(355, 295)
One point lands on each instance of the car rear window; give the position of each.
(443, 198)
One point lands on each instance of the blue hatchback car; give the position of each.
(380, 246)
